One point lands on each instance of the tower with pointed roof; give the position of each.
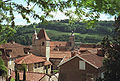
(34, 37)
(41, 45)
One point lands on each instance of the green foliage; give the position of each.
(16, 75)
(21, 67)
(86, 10)
(112, 52)
(3, 68)
(12, 79)
(61, 30)
(55, 71)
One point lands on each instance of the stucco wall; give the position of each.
(40, 69)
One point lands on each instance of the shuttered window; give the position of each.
(81, 65)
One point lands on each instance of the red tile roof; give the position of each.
(30, 76)
(90, 56)
(43, 35)
(28, 59)
(60, 54)
(47, 63)
(93, 59)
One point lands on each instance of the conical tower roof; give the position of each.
(43, 35)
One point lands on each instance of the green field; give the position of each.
(60, 31)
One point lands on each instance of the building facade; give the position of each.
(54, 51)
(84, 66)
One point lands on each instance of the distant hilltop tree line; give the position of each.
(62, 30)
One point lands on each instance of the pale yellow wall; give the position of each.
(11, 64)
(30, 67)
(49, 70)
(40, 69)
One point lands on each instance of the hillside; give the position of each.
(61, 30)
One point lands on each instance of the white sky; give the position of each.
(57, 16)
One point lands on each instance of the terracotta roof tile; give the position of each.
(93, 59)
(47, 63)
(30, 76)
(60, 54)
(43, 35)
(28, 59)
(89, 55)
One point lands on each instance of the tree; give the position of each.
(90, 9)
(24, 74)
(112, 54)
(3, 69)
(16, 75)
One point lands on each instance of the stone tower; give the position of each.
(72, 41)
(41, 44)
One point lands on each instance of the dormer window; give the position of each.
(81, 65)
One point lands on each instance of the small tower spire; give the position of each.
(72, 33)
(35, 35)
(72, 41)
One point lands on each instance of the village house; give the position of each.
(10, 52)
(84, 65)
(34, 63)
(84, 62)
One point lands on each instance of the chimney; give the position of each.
(12, 42)
(100, 52)
(73, 53)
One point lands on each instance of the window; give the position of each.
(81, 65)
(40, 64)
(43, 43)
(35, 65)
(48, 66)
(102, 75)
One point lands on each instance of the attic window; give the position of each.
(43, 43)
(81, 65)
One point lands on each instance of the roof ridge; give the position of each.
(42, 34)
(25, 57)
